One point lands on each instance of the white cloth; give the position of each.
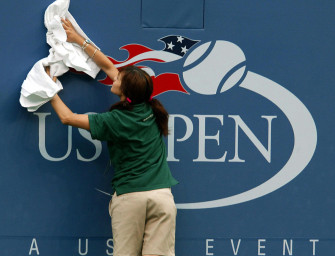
(38, 88)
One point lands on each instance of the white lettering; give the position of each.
(240, 123)
(261, 246)
(314, 241)
(109, 245)
(97, 144)
(288, 248)
(235, 245)
(203, 137)
(86, 247)
(235, 250)
(34, 247)
(41, 136)
(171, 137)
(209, 246)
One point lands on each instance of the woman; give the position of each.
(142, 209)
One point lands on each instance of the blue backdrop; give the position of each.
(258, 93)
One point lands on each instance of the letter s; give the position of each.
(97, 144)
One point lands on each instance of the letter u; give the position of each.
(41, 139)
(86, 247)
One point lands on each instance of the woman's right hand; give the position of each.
(72, 34)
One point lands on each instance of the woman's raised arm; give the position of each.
(65, 114)
(97, 56)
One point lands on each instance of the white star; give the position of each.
(180, 39)
(184, 49)
(170, 46)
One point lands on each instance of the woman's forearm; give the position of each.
(101, 60)
(67, 116)
(63, 112)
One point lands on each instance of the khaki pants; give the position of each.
(143, 223)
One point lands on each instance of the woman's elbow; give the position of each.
(67, 120)
(76, 120)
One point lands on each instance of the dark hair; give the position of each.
(137, 87)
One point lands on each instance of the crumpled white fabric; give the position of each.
(38, 88)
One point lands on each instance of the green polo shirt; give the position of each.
(136, 148)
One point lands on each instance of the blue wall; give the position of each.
(49, 207)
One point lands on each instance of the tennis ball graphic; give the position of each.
(214, 67)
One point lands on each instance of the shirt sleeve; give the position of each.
(104, 126)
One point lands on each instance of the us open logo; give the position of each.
(216, 67)
(211, 87)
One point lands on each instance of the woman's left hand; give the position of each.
(72, 35)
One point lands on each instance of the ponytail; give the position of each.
(161, 116)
